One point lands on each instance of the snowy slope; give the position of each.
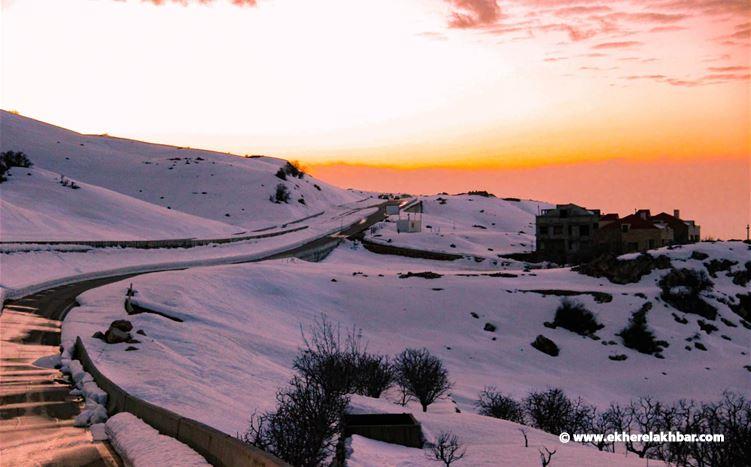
(241, 332)
(216, 186)
(35, 206)
(469, 225)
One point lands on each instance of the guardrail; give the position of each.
(220, 449)
(149, 244)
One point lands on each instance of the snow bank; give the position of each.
(140, 445)
(95, 408)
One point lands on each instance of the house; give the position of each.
(632, 233)
(684, 231)
(566, 233)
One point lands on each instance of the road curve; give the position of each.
(36, 410)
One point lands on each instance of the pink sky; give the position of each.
(450, 87)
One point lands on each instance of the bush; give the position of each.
(497, 405)
(636, 335)
(554, 412)
(293, 169)
(16, 159)
(327, 359)
(281, 194)
(373, 375)
(447, 449)
(10, 159)
(576, 318)
(681, 288)
(342, 365)
(422, 376)
(303, 428)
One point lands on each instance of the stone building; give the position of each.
(566, 233)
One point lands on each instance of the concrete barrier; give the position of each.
(218, 448)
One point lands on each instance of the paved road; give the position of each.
(36, 411)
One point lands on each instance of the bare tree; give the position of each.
(524, 432)
(447, 449)
(422, 375)
(302, 431)
(546, 457)
(495, 404)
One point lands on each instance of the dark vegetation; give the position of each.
(553, 411)
(576, 318)
(681, 288)
(623, 271)
(497, 405)
(306, 426)
(281, 194)
(422, 375)
(291, 169)
(9, 159)
(446, 449)
(424, 275)
(637, 335)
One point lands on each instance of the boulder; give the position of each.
(116, 336)
(122, 324)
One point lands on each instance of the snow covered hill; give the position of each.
(36, 206)
(231, 192)
(468, 225)
(240, 333)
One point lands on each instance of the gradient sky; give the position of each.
(357, 89)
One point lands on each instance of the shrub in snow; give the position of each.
(545, 345)
(576, 318)
(292, 168)
(342, 365)
(10, 159)
(329, 360)
(421, 375)
(15, 159)
(373, 374)
(716, 265)
(637, 335)
(281, 194)
(743, 307)
(554, 412)
(742, 276)
(446, 449)
(681, 288)
(303, 428)
(495, 404)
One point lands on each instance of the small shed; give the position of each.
(396, 428)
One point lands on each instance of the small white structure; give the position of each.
(392, 209)
(412, 224)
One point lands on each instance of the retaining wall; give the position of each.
(147, 244)
(218, 448)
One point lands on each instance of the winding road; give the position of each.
(36, 409)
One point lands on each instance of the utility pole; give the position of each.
(748, 231)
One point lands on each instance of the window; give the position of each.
(651, 243)
(557, 229)
(563, 213)
(584, 230)
(624, 228)
(544, 230)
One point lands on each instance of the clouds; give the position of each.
(198, 2)
(473, 13)
(616, 45)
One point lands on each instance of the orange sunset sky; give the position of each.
(616, 105)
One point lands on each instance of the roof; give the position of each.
(634, 221)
